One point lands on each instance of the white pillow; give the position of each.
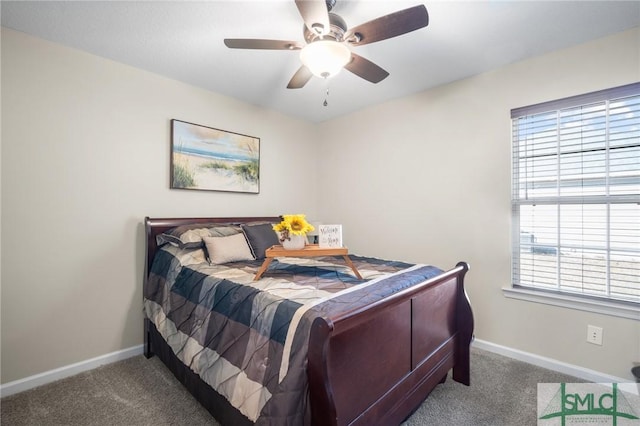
(228, 249)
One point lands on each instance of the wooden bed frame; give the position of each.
(374, 365)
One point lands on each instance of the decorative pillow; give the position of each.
(227, 249)
(190, 236)
(260, 238)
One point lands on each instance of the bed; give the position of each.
(308, 343)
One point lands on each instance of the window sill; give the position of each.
(616, 309)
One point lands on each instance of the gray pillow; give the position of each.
(227, 249)
(260, 238)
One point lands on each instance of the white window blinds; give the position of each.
(576, 195)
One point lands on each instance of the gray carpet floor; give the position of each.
(138, 391)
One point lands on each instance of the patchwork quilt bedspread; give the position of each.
(248, 339)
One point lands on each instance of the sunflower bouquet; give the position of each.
(292, 224)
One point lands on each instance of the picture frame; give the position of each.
(209, 159)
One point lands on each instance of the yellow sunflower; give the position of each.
(294, 224)
(279, 227)
(298, 225)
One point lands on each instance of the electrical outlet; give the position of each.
(594, 335)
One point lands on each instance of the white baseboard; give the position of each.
(27, 383)
(549, 363)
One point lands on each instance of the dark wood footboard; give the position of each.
(377, 365)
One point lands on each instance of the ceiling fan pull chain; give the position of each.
(325, 103)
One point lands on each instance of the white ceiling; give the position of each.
(183, 40)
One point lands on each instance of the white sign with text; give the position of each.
(330, 236)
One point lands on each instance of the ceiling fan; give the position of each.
(327, 39)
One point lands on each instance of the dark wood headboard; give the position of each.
(156, 226)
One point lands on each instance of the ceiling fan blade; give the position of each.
(254, 43)
(366, 69)
(388, 26)
(315, 15)
(300, 78)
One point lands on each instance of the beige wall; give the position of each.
(430, 178)
(85, 154)
(85, 157)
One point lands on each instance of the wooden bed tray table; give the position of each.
(310, 250)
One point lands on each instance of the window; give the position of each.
(576, 196)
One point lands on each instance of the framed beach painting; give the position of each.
(204, 158)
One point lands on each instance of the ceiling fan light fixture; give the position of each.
(325, 58)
